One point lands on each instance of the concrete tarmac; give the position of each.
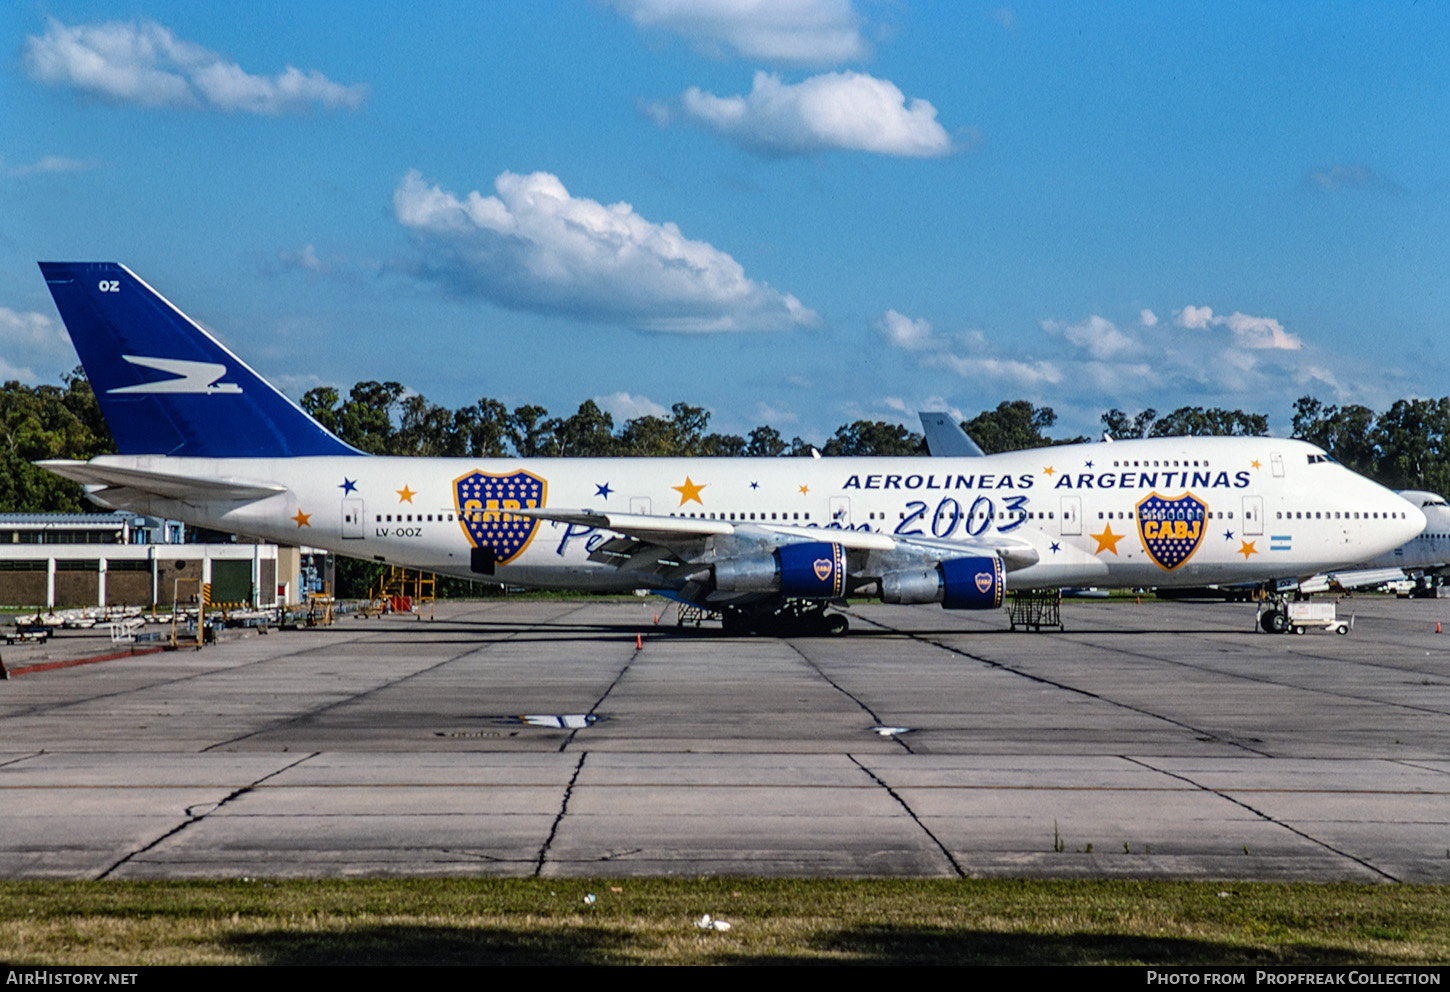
(519, 737)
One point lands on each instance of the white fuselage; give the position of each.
(1157, 512)
(1427, 550)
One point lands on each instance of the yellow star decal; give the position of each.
(303, 519)
(1047, 470)
(1247, 548)
(1255, 463)
(805, 489)
(689, 491)
(1107, 540)
(405, 495)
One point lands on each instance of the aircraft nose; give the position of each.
(1414, 520)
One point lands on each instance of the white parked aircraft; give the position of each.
(1427, 552)
(769, 542)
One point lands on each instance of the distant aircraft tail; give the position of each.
(166, 386)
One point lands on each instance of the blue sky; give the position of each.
(797, 213)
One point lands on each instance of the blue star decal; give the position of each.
(755, 485)
(1056, 547)
(1228, 535)
(348, 486)
(602, 490)
(1087, 464)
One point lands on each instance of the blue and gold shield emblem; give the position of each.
(484, 502)
(1171, 529)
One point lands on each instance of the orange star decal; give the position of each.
(1247, 548)
(1047, 470)
(405, 495)
(1107, 540)
(1255, 463)
(303, 519)
(689, 491)
(805, 489)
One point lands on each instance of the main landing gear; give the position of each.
(792, 618)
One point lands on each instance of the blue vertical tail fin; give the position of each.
(166, 386)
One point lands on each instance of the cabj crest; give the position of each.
(1171, 529)
(484, 502)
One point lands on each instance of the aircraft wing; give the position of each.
(688, 538)
(163, 484)
(1359, 579)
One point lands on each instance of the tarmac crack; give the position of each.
(1265, 817)
(46, 708)
(558, 819)
(356, 697)
(1044, 680)
(200, 811)
(594, 710)
(951, 860)
(1278, 683)
(22, 757)
(847, 693)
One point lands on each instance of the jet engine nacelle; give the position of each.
(812, 570)
(957, 583)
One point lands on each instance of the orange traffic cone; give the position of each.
(657, 619)
(639, 642)
(1437, 626)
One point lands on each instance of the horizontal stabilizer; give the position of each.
(164, 484)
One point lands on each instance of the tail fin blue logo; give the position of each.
(195, 377)
(165, 385)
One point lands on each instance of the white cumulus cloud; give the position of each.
(1021, 374)
(1194, 318)
(835, 110)
(1333, 178)
(1248, 331)
(812, 32)
(1098, 336)
(623, 406)
(533, 246)
(1261, 332)
(904, 332)
(52, 164)
(144, 63)
(30, 341)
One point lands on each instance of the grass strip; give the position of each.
(653, 921)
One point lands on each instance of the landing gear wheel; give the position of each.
(1342, 629)
(1274, 622)
(837, 625)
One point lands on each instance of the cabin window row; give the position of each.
(1336, 515)
(1161, 463)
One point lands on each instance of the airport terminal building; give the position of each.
(62, 560)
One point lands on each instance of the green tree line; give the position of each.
(1405, 447)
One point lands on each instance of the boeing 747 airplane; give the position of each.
(767, 542)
